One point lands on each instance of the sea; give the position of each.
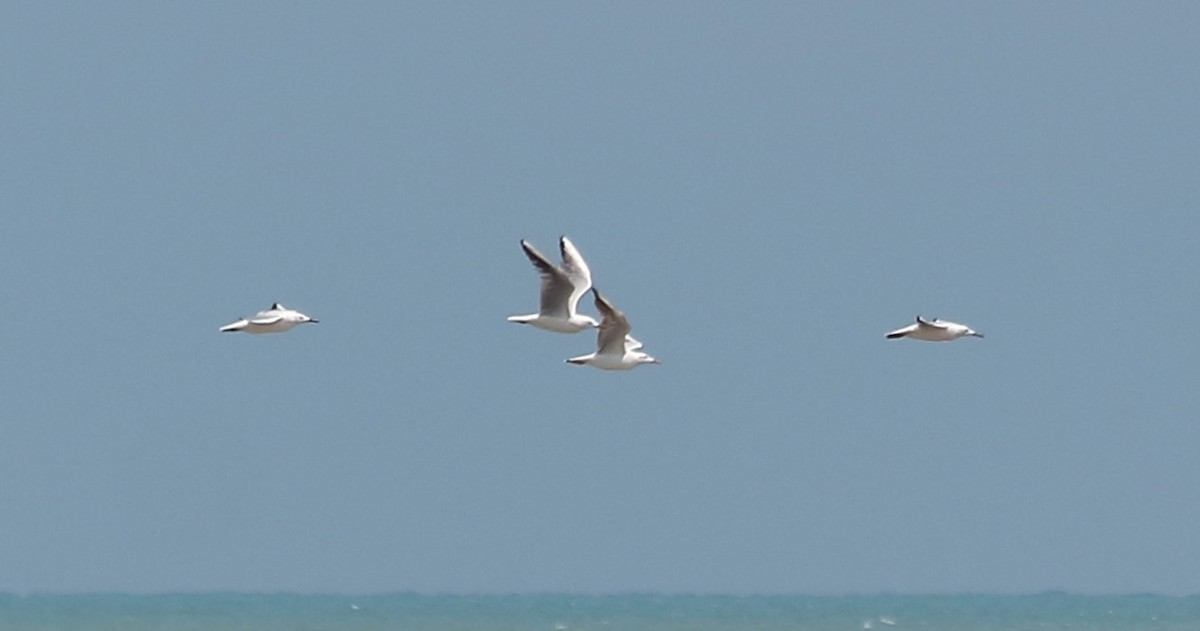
(565, 612)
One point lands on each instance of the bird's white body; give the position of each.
(570, 324)
(562, 286)
(615, 348)
(934, 331)
(277, 319)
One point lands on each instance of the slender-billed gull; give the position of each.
(934, 330)
(615, 349)
(561, 289)
(277, 319)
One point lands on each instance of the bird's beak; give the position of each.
(315, 321)
(977, 334)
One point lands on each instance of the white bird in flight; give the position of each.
(561, 289)
(277, 319)
(933, 330)
(615, 349)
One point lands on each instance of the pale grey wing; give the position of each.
(264, 321)
(556, 286)
(901, 332)
(610, 340)
(614, 327)
(576, 269)
(934, 323)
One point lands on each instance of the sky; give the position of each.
(764, 188)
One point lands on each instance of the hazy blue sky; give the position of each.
(764, 188)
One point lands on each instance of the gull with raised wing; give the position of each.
(277, 319)
(934, 330)
(615, 349)
(562, 286)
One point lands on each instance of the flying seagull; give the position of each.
(561, 289)
(277, 319)
(934, 330)
(615, 349)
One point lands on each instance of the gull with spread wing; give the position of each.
(934, 330)
(277, 319)
(562, 286)
(615, 349)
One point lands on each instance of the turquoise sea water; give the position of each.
(638, 612)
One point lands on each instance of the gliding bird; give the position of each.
(934, 331)
(615, 349)
(277, 319)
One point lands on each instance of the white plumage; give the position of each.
(277, 319)
(933, 330)
(615, 349)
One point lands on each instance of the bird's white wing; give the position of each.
(934, 323)
(556, 286)
(576, 269)
(614, 327)
(263, 321)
